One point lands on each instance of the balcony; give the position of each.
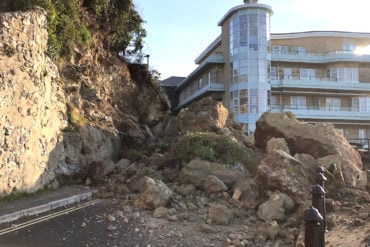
(211, 87)
(319, 83)
(212, 59)
(216, 57)
(319, 112)
(320, 58)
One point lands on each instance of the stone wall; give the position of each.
(32, 107)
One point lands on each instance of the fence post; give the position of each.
(313, 227)
(320, 169)
(332, 168)
(318, 201)
(320, 179)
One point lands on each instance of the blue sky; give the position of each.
(179, 30)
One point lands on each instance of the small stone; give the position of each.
(207, 228)
(120, 214)
(127, 209)
(161, 212)
(83, 225)
(88, 181)
(172, 218)
(111, 228)
(136, 215)
(111, 218)
(236, 195)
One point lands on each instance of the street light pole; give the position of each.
(147, 60)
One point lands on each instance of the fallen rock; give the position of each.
(152, 193)
(99, 170)
(279, 170)
(269, 229)
(318, 140)
(197, 171)
(275, 207)
(160, 160)
(220, 215)
(213, 185)
(162, 212)
(277, 144)
(247, 192)
(203, 115)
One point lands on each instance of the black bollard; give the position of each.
(320, 169)
(332, 168)
(313, 227)
(318, 201)
(320, 179)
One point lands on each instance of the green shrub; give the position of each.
(158, 146)
(118, 20)
(213, 147)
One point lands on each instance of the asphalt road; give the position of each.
(97, 223)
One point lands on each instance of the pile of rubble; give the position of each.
(202, 203)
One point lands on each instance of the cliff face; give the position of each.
(40, 144)
(32, 107)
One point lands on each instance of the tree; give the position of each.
(120, 23)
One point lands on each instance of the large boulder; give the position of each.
(318, 140)
(276, 207)
(203, 115)
(277, 144)
(196, 172)
(153, 193)
(279, 170)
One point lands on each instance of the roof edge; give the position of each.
(214, 43)
(244, 6)
(319, 33)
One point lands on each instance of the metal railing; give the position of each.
(314, 107)
(311, 78)
(361, 145)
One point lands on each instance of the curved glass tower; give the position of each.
(247, 28)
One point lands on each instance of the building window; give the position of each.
(273, 103)
(273, 72)
(355, 104)
(298, 50)
(288, 73)
(234, 98)
(280, 49)
(364, 104)
(307, 74)
(344, 74)
(298, 102)
(361, 134)
(332, 104)
(348, 48)
(243, 100)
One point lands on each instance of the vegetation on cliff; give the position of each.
(213, 147)
(72, 22)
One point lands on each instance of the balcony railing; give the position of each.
(212, 87)
(319, 83)
(332, 56)
(316, 108)
(323, 112)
